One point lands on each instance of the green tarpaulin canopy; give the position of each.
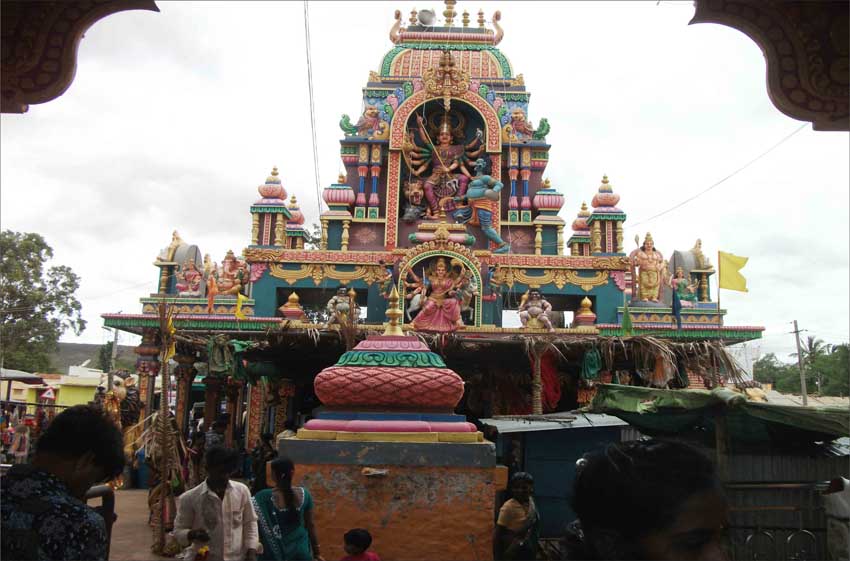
(692, 413)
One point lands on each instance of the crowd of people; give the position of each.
(636, 500)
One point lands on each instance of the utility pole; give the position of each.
(112, 361)
(796, 333)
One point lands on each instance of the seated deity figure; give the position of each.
(189, 279)
(342, 308)
(231, 277)
(685, 290)
(441, 311)
(483, 200)
(535, 309)
(446, 160)
(648, 271)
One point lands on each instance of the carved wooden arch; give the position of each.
(39, 46)
(805, 45)
(450, 251)
(493, 133)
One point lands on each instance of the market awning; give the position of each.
(556, 421)
(9, 375)
(692, 414)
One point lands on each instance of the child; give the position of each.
(357, 541)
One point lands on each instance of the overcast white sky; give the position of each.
(174, 119)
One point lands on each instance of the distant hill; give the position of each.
(74, 354)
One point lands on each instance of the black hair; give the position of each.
(81, 429)
(221, 456)
(267, 437)
(635, 488)
(282, 468)
(521, 477)
(359, 538)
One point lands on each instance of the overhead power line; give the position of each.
(312, 106)
(731, 175)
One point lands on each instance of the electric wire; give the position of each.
(312, 105)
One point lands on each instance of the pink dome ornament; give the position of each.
(605, 198)
(297, 217)
(580, 223)
(339, 194)
(548, 198)
(272, 188)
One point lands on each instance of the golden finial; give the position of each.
(341, 178)
(481, 18)
(273, 177)
(604, 178)
(547, 184)
(584, 307)
(465, 18)
(393, 314)
(584, 205)
(292, 202)
(449, 12)
(412, 18)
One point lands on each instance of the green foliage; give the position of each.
(312, 236)
(36, 305)
(104, 356)
(824, 365)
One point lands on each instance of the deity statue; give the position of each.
(415, 208)
(702, 262)
(535, 310)
(685, 290)
(231, 277)
(189, 279)
(342, 308)
(439, 285)
(369, 120)
(651, 270)
(520, 126)
(482, 199)
(446, 160)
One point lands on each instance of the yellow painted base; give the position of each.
(456, 437)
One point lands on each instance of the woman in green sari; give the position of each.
(285, 517)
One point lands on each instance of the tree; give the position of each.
(312, 236)
(36, 305)
(104, 357)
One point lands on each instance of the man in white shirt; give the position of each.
(218, 512)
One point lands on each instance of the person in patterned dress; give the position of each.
(43, 513)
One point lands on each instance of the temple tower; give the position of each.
(606, 221)
(269, 214)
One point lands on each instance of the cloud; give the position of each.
(175, 118)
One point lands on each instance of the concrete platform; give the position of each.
(131, 534)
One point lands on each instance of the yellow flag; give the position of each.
(729, 267)
(238, 313)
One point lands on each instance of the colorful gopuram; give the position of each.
(443, 221)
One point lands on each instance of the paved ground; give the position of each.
(131, 535)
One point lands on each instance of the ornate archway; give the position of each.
(441, 249)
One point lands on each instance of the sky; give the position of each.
(175, 117)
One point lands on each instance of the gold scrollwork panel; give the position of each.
(558, 277)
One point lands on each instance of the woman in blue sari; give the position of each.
(285, 517)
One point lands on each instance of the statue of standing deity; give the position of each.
(446, 159)
(483, 200)
(648, 271)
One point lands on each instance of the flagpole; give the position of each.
(719, 313)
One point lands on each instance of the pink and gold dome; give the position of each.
(272, 191)
(296, 216)
(580, 223)
(605, 200)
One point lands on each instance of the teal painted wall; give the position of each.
(550, 240)
(335, 234)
